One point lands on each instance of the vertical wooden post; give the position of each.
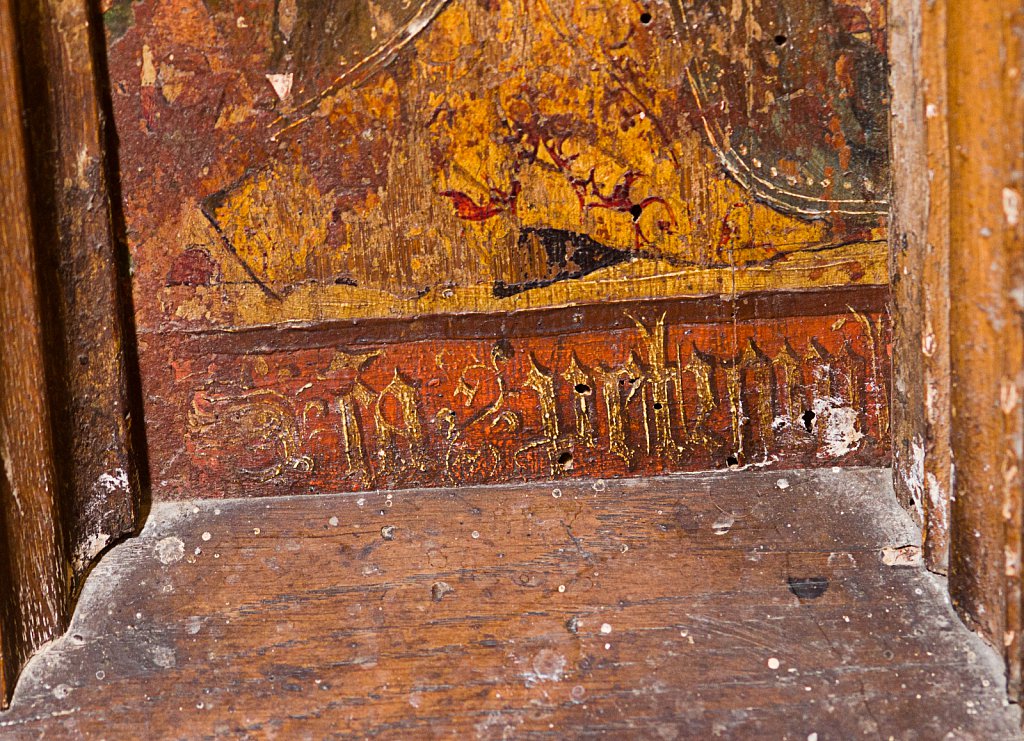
(986, 274)
(920, 269)
(34, 565)
(958, 288)
(70, 484)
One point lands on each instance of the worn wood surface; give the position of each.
(986, 127)
(732, 606)
(34, 563)
(619, 389)
(82, 266)
(919, 246)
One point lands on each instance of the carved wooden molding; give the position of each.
(986, 272)
(70, 484)
(920, 265)
(958, 283)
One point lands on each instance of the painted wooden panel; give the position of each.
(605, 391)
(304, 167)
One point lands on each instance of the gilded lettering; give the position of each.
(582, 390)
(703, 376)
(408, 428)
(757, 367)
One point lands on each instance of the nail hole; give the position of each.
(732, 460)
(645, 18)
(635, 210)
(565, 460)
(582, 388)
(808, 418)
(657, 405)
(780, 40)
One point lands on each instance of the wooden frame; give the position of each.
(71, 484)
(70, 487)
(957, 278)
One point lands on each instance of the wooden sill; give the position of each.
(741, 605)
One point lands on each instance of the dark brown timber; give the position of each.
(34, 566)
(70, 484)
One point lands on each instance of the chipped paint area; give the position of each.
(906, 555)
(91, 548)
(840, 434)
(547, 666)
(914, 475)
(164, 656)
(116, 480)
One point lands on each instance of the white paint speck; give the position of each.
(116, 480)
(170, 549)
(333, 522)
(606, 628)
(782, 484)
(475, 534)
(256, 531)
(840, 434)
(773, 663)
(206, 536)
(561, 587)
(556, 493)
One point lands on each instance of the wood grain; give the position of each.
(986, 127)
(624, 609)
(34, 563)
(82, 265)
(70, 485)
(920, 269)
